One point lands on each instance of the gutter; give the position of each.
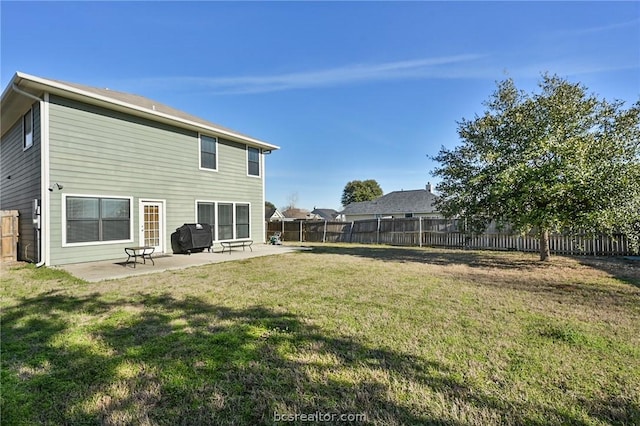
(44, 176)
(27, 94)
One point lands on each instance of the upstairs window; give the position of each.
(27, 130)
(208, 153)
(253, 161)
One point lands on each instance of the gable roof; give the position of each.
(114, 100)
(269, 211)
(296, 213)
(272, 213)
(326, 214)
(396, 202)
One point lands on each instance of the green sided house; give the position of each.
(92, 171)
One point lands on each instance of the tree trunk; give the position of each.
(544, 245)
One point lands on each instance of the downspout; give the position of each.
(263, 166)
(44, 196)
(263, 175)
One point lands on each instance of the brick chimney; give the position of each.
(429, 187)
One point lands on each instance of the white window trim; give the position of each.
(95, 243)
(215, 213)
(25, 147)
(200, 153)
(235, 221)
(260, 161)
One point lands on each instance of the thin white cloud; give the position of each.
(440, 67)
(599, 29)
(463, 66)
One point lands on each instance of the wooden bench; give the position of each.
(144, 252)
(240, 243)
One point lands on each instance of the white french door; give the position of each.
(152, 224)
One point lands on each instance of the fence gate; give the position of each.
(9, 235)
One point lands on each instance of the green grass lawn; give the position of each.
(397, 335)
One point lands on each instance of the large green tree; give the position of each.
(360, 190)
(558, 160)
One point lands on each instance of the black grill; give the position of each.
(192, 238)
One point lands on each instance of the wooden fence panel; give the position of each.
(442, 233)
(337, 232)
(289, 230)
(9, 234)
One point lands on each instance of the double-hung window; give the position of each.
(208, 152)
(27, 130)
(242, 220)
(206, 212)
(97, 219)
(253, 161)
(225, 221)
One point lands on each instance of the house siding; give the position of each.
(19, 192)
(96, 151)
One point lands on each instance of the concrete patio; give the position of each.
(118, 268)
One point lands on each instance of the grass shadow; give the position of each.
(624, 269)
(516, 271)
(156, 359)
(444, 257)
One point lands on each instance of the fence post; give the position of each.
(523, 242)
(324, 234)
(300, 231)
(351, 232)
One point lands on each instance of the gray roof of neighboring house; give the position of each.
(135, 104)
(295, 213)
(397, 202)
(326, 214)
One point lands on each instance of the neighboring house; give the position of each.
(272, 214)
(327, 214)
(413, 203)
(298, 214)
(93, 171)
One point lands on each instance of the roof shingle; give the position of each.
(397, 202)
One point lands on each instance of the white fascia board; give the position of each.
(124, 106)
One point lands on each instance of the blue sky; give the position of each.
(348, 90)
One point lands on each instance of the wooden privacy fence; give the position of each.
(420, 232)
(9, 235)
